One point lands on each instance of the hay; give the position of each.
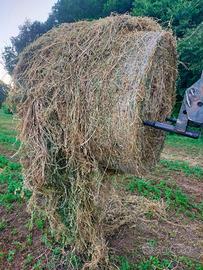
(83, 90)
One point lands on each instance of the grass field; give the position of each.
(174, 241)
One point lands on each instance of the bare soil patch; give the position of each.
(193, 158)
(17, 238)
(158, 238)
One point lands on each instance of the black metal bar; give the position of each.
(171, 128)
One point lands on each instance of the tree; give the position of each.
(74, 10)
(120, 6)
(180, 14)
(3, 92)
(10, 58)
(191, 54)
(184, 17)
(28, 33)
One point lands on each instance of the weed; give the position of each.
(29, 239)
(2, 256)
(152, 243)
(156, 263)
(3, 225)
(46, 241)
(40, 224)
(124, 264)
(28, 260)
(12, 180)
(75, 261)
(10, 256)
(14, 232)
(37, 265)
(19, 245)
(190, 264)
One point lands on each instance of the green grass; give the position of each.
(184, 167)
(174, 197)
(7, 131)
(12, 182)
(154, 263)
(185, 143)
(5, 139)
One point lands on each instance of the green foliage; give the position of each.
(29, 239)
(10, 57)
(181, 15)
(12, 180)
(2, 256)
(9, 140)
(119, 6)
(28, 260)
(156, 263)
(124, 264)
(40, 223)
(28, 32)
(38, 265)
(174, 196)
(3, 224)
(185, 18)
(10, 256)
(70, 11)
(190, 264)
(191, 54)
(3, 92)
(8, 135)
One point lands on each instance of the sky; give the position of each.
(14, 13)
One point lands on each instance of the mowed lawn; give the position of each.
(174, 241)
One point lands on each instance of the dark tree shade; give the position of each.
(184, 17)
(119, 6)
(181, 15)
(191, 54)
(70, 11)
(10, 58)
(3, 92)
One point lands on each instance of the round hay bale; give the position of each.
(83, 91)
(95, 82)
